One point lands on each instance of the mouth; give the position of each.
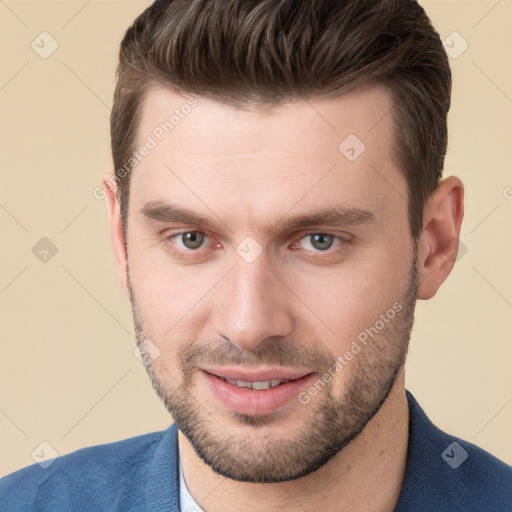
(257, 385)
(256, 392)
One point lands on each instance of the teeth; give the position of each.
(261, 385)
(258, 386)
(241, 383)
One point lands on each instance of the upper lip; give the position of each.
(257, 375)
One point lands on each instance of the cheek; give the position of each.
(170, 299)
(168, 309)
(345, 300)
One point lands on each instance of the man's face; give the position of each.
(274, 271)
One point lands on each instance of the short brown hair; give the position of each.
(260, 53)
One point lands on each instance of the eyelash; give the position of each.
(343, 242)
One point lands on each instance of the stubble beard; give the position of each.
(333, 422)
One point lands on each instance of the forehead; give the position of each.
(295, 125)
(330, 150)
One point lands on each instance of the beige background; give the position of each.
(68, 373)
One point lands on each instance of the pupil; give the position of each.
(321, 242)
(192, 240)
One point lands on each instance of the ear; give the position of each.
(116, 230)
(439, 241)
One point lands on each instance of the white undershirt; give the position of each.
(187, 503)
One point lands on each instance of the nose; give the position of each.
(253, 306)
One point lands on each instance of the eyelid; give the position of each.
(172, 235)
(345, 238)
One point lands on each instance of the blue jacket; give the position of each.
(141, 474)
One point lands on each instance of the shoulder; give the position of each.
(448, 473)
(472, 477)
(87, 479)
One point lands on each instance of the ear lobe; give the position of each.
(116, 230)
(439, 241)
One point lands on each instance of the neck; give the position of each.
(366, 475)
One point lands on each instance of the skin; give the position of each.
(247, 172)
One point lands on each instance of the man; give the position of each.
(277, 209)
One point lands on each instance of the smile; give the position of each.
(258, 385)
(258, 392)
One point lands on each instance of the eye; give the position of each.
(190, 240)
(319, 242)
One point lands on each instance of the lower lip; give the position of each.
(253, 402)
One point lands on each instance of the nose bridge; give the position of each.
(251, 284)
(253, 306)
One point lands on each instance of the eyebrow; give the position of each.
(342, 216)
(165, 212)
